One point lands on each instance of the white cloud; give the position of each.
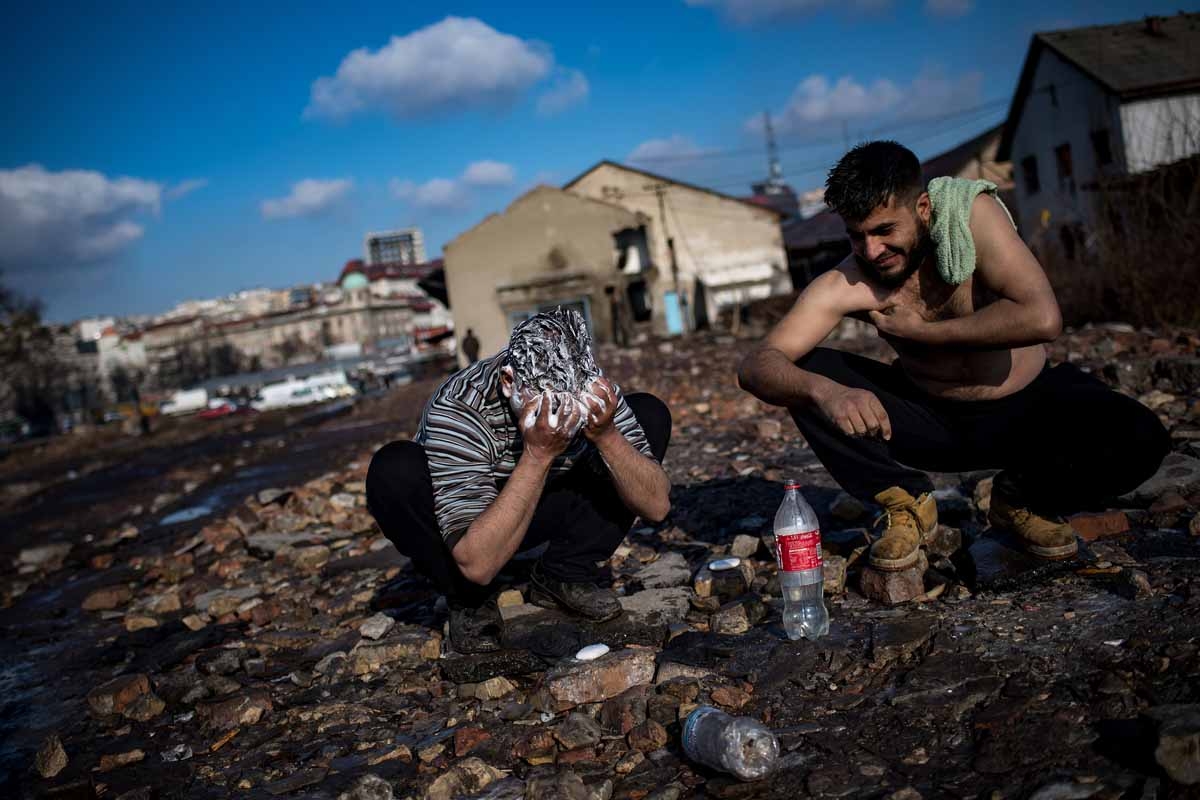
(570, 88)
(308, 197)
(437, 194)
(453, 64)
(674, 148)
(816, 104)
(489, 173)
(69, 218)
(185, 188)
(746, 12)
(948, 8)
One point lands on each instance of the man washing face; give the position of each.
(529, 446)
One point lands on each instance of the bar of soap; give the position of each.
(724, 563)
(591, 652)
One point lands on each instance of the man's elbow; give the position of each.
(472, 569)
(1050, 324)
(660, 511)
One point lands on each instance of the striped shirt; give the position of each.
(472, 444)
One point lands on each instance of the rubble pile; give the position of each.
(284, 648)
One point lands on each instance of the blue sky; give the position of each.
(157, 152)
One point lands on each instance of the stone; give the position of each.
(509, 598)
(983, 495)
(46, 557)
(629, 762)
(1178, 747)
(405, 651)
(833, 569)
(1134, 585)
(1178, 472)
(621, 714)
(900, 638)
(738, 616)
(847, 508)
(51, 758)
(139, 622)
(943, 541)
(536, 747)
(368, 787)
(107, 598)
(648, 737)
(578, 730)
(222, 601)
(725, 584)
(744, 545)
(343, 500)
(268, 496)
(377, 626)
(893, 588)
(296, 781)
(237, 711)
(494, 688)
(144, 708)
(310, 559)
(1102, 525)
(651, 607)
(575, 683)
(467, 739)
(768, 428)
(116, 695)
(729, 697)
(111, 761)
(671, 569)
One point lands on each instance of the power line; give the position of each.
(990, 106)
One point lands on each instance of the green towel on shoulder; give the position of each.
(951, 229)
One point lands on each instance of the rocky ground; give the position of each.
(278, 645)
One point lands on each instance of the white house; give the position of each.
(1093, 103)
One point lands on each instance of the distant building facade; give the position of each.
(1097, 103)
(403, 246)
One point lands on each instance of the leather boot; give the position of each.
(906, 521)
(585, 599)
(1040, 536)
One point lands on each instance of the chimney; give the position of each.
(1154, 26)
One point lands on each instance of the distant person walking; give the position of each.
(470, 347)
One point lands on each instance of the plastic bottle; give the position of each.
(798, 552)
(741, 746)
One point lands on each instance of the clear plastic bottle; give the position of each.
(798, 553)
(741, 746)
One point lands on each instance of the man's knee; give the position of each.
(654, 417)
(396, 470)
(824, 361)
(1149, 443)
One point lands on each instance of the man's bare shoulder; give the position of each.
(846, 289)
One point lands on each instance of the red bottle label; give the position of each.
(799, 550)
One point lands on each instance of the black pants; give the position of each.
(582, 517)
(1069, 442)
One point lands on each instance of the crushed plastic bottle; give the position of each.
(801, 576)
(741, 746)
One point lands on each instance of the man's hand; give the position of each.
(548, 423)
(601, 402)
(901, 323)
(856, 412)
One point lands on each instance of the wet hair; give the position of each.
(868, 175)
(553, 350)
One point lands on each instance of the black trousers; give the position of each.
(580, 515)
(1069, 442)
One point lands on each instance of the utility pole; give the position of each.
(660, 189)
(774, 170)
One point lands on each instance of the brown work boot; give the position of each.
(1044, 538)
(905, 524)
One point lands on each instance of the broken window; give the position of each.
(1029, 171)
(1062, 158)
(1102, 146)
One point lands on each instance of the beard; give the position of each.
(913, 258)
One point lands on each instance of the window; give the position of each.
(1062, 158)
(1102, 147)
(1029, 171)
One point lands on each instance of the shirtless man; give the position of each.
(971, 388)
